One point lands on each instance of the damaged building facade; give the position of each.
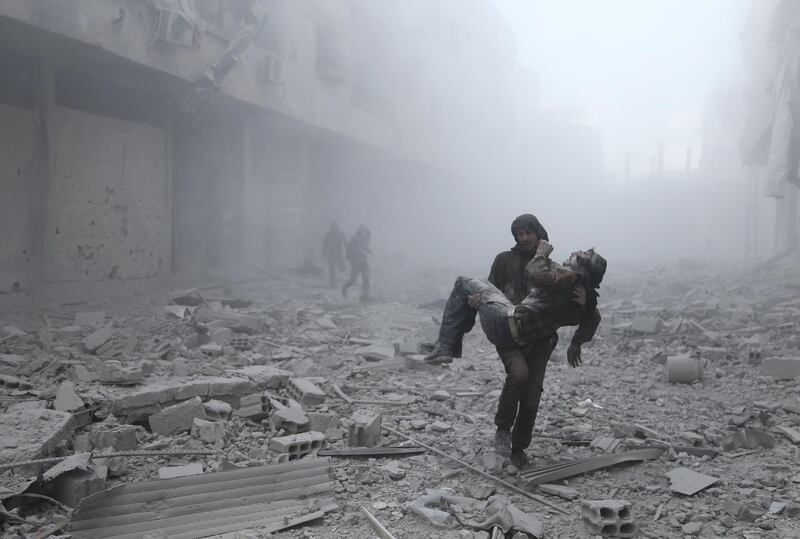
(769, 145)
(144, 138)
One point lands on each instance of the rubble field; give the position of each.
(275, 408)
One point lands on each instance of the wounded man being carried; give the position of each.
(561, 295)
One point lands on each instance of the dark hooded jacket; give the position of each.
(508, 269)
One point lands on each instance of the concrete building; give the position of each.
(144, 137)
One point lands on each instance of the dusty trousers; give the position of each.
(358, 267)
(458, 317)
(518, 405)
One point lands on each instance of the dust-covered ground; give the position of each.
(619, 400)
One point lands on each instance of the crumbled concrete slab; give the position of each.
(265, 376)
(689, 482)
(177, 418)
(118, 437)
(27, 434)
(139, 404)
(66, 399)
(97, 339)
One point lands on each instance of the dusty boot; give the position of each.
(519, 458)
(502, 442)
(441, 353)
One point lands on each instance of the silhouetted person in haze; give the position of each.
(333, 250)
(357, 252)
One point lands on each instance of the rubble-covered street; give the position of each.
(202, 396)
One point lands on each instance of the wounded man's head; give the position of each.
(590, 263)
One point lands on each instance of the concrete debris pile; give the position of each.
(684, 420)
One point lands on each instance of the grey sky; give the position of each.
(637, 69)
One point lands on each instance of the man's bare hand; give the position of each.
(544, 248)
(579, 295)
(574, 356)
(474, 300)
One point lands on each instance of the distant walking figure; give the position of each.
(333, 250)
(357, 252)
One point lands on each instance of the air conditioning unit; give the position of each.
(272, 69)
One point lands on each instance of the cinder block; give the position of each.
(211, 350)
(255, 407)
(609, 518)
(781, 368)
(304, 391)
(208, 431)
(119, 438)
(298, 445)
(177, 418)
(293, 420)
(365, 430)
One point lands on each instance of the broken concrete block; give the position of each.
(211, 350)
(66, 398)
(119, 438)
(781, 368)
(365, 430)
(208, 431)
(81, 374)
(181, 367)
(441, 426)
(32, 433)
(609, 518)
(441, 395)
(97, 339)
(169, 472)
(646, 325)
(266, 376)
(408, 348)
(305, 392)
(177, 418)
(321, 422)
(742, 511)
(297, 446)
(71, 487)
(293, 420)
(217, 410)
(114, 372)
(377, 352)
(138, 405)
(562, 491)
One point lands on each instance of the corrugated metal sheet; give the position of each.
(202, 505)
